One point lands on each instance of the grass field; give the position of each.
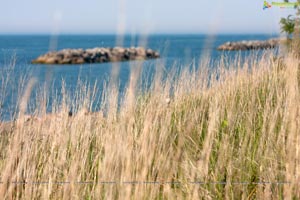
(232, 134)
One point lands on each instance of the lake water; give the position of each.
(178, 49)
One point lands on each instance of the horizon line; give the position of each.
(137, 34)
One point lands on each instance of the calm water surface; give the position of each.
(175, 50)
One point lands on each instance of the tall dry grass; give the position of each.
(232, 134)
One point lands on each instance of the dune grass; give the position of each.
(232, 134)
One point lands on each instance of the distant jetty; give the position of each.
(96, 55)
(250, 45)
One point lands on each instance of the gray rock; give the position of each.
(249, 45)
(96, 55)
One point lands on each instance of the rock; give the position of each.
(118, 50)
(249, 45)
(79, 60)
(51, 60)
(66, 61)
(96, 55)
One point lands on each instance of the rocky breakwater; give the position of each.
(96, 55)
(249, 45)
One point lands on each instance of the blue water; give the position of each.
(179, 49)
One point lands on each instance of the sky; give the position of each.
(138, 16)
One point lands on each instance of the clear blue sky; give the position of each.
(138, 16)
